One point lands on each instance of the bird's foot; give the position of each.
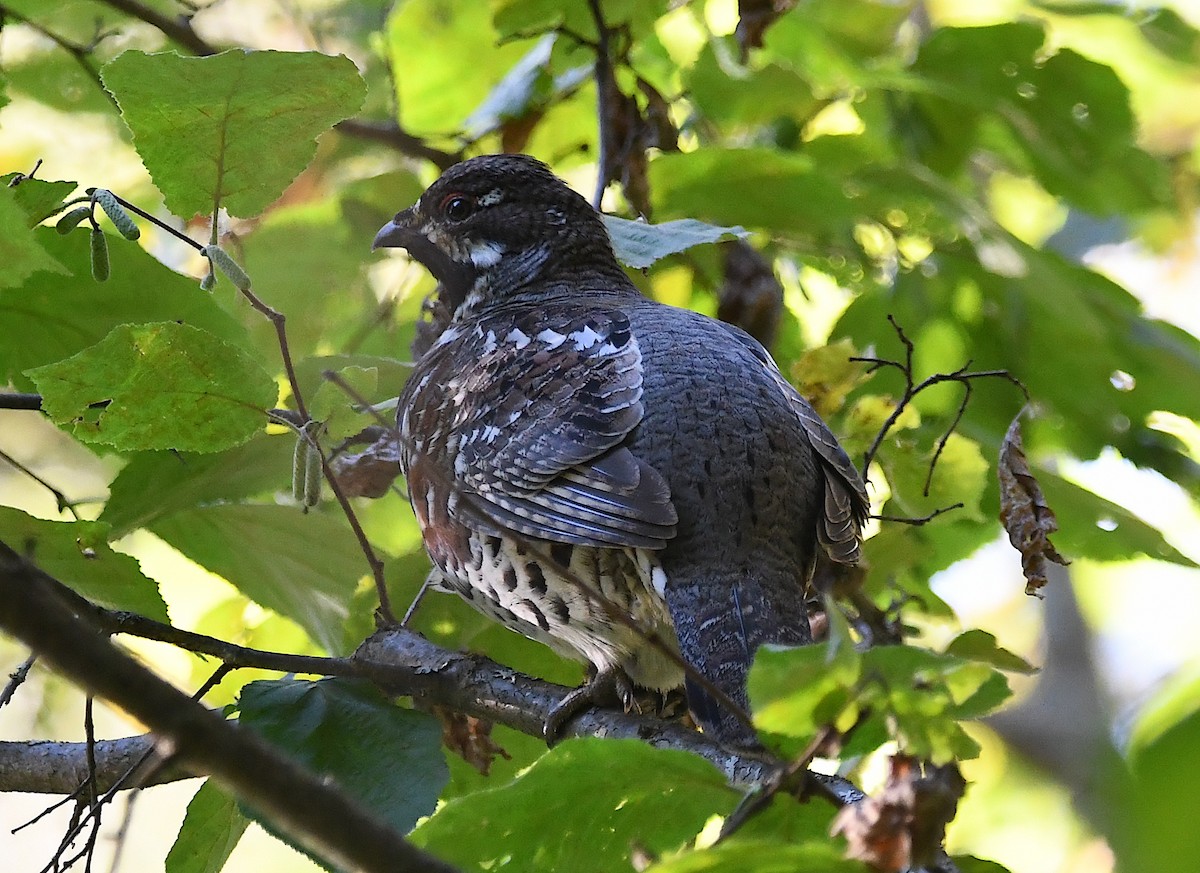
(606, 688)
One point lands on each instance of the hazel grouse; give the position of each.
(566, 432)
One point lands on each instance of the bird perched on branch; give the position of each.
(625, 481)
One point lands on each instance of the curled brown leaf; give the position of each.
(470, 738)
(1024, 512)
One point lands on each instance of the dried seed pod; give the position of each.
(116, 213)
(227, 265)
(99, 256)
(70, 220)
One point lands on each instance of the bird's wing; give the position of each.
(846, 505)
(540, 404)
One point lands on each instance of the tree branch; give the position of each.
(314, 813)
(30, 402)
(178, 30)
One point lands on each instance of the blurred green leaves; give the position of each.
(912, 694)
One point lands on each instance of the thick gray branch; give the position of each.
(43, 767)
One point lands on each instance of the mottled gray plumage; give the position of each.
(656, 452)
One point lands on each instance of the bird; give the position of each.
(633, 484)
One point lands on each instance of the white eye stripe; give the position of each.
(491, 198)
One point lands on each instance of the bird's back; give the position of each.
(746, 484)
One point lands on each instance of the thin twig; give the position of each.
(178, 234)
(912, 389)
(362, 404)
(604, 83)
(339, 494)
(81, 53)
(16, 678)
(59, 497)
(178, 30)
(758, 800)
(122, 834)
(920, 520)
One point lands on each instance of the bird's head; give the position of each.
(493, 225)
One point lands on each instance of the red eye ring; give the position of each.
(457, 207)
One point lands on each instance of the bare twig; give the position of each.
(757, 801)
(16, 678)
(604, 84)
(357, 399)
(339, 493)
(178, 234)
(391, 134)
(920, 520)
(81, 53)
(64, 505)
(912, 388)
(178, 30)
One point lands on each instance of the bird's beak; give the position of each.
(397, 233)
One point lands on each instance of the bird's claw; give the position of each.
(604, 689)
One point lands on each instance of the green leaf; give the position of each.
(1100, 529)
(163, 386)
(1175, 699)
(155, 484)
(209, 833)
(295, 256)
(52, 317)
(727, 93)
(761, 856)
(639, 244)
(270, 554)
(960, 476)
(794, 692)
(1154, 815)
(513, 18)
(979, 645)
(1014, 324)
(232, 129)
(525, 89)
(1068, 116)
(37, 198)
(436, 96)
(1171, 34)
(21, 253)
(387, 758)
(77, 554)
(925, 694)
(757, 187)
(547, 818)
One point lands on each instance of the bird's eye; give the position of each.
(457, 207)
